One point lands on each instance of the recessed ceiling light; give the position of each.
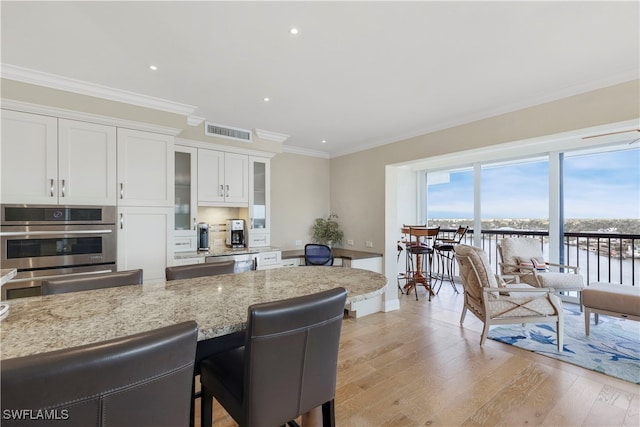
(324, 141)
(266, 99)
(153, 68)
(293, 31)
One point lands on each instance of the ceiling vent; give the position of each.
(237, 134)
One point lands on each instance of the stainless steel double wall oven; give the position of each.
(46, 241)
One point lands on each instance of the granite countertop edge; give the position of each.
(337, 252)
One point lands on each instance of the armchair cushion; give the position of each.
(521, 306)
(557, 281)
(482, 280)
(513, 249)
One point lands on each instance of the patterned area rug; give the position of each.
(612, 347)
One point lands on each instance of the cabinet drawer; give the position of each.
(269, 258)
(184, 243)
(259, 240)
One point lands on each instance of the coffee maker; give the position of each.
(235, 233)
(203, 236)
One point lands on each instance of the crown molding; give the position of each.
(10, 104)
(305, 152)
(270, 136)
(194, 120)
(221, 147)
(53, 81)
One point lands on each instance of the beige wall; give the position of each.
(299, 194)
(358, 180)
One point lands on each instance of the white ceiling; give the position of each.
(359, 74)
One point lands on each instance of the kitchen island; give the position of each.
(217, 303)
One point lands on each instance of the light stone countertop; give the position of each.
(217, 303)
(223, 251)
(7, 274)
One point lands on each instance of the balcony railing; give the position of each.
(602, 257)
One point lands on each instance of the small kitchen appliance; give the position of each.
(203, 236)
(235, 233)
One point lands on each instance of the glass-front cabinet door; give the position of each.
(259, 201)
(186, 198)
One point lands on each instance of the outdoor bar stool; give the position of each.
(422, 250)
(401, 275)
(444, 249)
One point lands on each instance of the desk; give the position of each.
(217, 303)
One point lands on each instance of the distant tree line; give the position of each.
(624, 226)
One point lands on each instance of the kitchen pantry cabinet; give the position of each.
(146, 190)
(222, 178)
(186, 199)
(145, 169)
(52, 161)
(145, 240)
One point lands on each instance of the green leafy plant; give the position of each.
(327, 231)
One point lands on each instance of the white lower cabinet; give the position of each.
(145, 240)
(188, 261)
(268, 260)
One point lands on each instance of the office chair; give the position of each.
(316, 254)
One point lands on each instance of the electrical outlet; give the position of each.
(350, 242)
(298, 242)
(368, 244)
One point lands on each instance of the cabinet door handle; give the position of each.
(51, 188)
(121, 221)
(251, 223)
(227, 191)
(122, 190)
(194, 222)
(63, 188)
(221, 190)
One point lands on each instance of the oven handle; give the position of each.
(50, 233)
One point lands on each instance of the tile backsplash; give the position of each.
(217, 220)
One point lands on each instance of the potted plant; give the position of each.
(327, 231)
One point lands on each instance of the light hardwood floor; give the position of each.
(418, 367)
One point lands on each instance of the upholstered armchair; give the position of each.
(522, 261)
(494, 302)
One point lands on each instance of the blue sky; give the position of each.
(603, 185)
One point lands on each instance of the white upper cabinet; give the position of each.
(222, 178)
(86, 163)
(259, 221)
(186, 198)
(51, 161)
(145, 169)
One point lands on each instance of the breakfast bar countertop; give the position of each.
(7, 274)
(217, 303)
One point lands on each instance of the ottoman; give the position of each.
(611, 299)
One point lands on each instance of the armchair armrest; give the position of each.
(528, 289)
(576, 270)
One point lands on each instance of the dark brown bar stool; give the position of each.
(138, 380)
(287, 366)
(91, 281)
(199, 270)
